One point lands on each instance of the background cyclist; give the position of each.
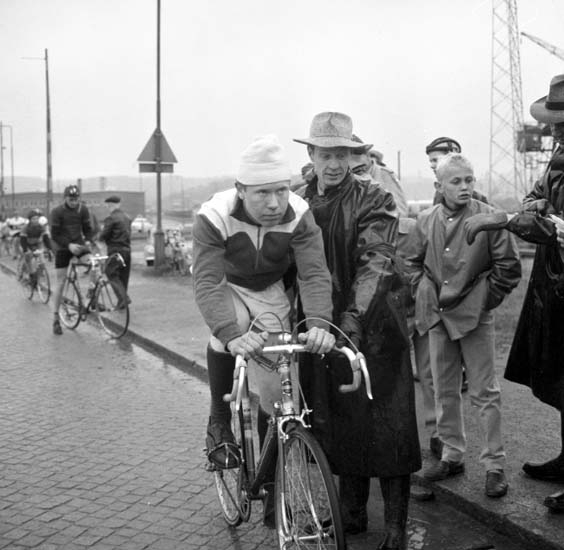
(32, 236)
(245, 240)
(71, 232)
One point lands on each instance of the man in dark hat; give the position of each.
(117, 236)
(536, 358)
(362, 438)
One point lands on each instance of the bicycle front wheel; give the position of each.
(231, 483)
(24, 280)
(43, 284)
(307, 506)
(112, 308)
(71, 305)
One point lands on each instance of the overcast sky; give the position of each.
(406, 71)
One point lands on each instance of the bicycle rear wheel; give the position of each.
(71, 305)
(307, 506)
(112, 308)
(231, 483)
(43, 284)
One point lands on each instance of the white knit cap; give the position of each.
(263, 161)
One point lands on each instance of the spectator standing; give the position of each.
(116, 234)
(371, 167)
(457, 288)
(71, 234)
(361, 438)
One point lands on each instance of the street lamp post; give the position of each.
(49, 196)
(9, 126)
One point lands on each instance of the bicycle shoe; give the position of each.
(223, 452)
(57, 327)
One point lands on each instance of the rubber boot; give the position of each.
(269, 514)
(395, 492)
(353, 493)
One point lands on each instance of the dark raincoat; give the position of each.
(363, 438)
(536, 358)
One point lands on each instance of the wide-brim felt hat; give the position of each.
(550, 108)
(331, 129)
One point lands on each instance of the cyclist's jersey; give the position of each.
(32, 235)
(70, 225)
(229, 247)
(16, 224)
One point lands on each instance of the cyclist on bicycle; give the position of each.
(32, 236)
(15, 225)
(245, 240)
(71, 232)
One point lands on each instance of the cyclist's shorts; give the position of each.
(63, 257)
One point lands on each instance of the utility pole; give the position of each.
(507, 166)
(2, 197)
(49, 193)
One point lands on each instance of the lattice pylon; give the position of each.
(507, 166)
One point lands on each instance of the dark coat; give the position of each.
(536, 358)
(379, 438)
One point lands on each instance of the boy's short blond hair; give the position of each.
(449, 160)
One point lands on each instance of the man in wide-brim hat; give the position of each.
(536, 358)
(362, 438)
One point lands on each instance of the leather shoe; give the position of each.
(443, 469)
(553, 470)
(555, 502)
(496, 484)
(436, 446)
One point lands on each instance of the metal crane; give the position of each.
(558, 52)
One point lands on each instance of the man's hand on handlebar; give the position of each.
(248, 345)
(317, 340)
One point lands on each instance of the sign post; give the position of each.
(157, 156)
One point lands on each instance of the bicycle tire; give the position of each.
(112, 308)
(23, 279)
(308, 513)
(43, 284)
(231, 484)
(70, 308)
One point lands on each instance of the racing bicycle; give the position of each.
(33, 276)
(307, 510)
(107, 298)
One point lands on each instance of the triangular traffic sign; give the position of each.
(149, 152)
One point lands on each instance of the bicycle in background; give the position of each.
(306, 502)
(106, 298)
(33, 276)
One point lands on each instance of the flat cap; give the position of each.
(113, 198)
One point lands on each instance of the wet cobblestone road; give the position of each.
(101, 448)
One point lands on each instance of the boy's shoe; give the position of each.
(57, 327)
(496, 484)
(443, 469)
(222, 449)
(555, 502)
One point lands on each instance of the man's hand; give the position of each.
(317, 340)
(559, 224)
(248, 345)
(484, 222)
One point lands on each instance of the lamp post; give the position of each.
(49, 196)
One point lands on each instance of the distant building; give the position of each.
(132, 202)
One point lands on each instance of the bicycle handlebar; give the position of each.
(357, 363)
(96, 259)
